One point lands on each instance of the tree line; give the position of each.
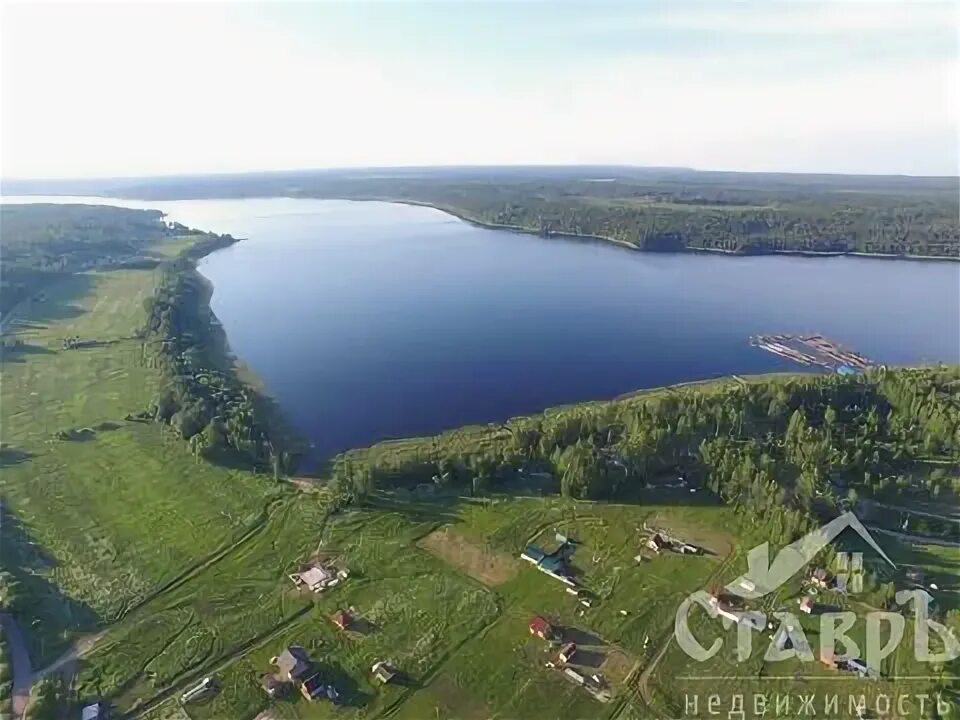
(44, 241)
(785, 452)
(201, 398)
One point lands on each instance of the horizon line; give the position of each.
(462, 166)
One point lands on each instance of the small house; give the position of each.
(293, 664)
(574, 675)
(313, 687)
(96, 711)
(554, 564)
(383, 672)
(656, 542)
(806, 605)
(341, 619)
(315, 578)
(533, 554)
(540, 627)
(567, 652)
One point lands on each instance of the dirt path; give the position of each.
(24, 677)
(65, 663)
(20, 658)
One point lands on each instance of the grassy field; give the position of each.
(461, 644)
(99, 522)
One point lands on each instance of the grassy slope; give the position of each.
(125, 511)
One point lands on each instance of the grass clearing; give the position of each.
(98, 523)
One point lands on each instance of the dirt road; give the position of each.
(20, 659)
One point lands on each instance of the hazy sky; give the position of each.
(134, 89)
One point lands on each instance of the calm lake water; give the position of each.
(371, 320)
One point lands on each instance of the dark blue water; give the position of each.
(370, 320)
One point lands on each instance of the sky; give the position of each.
(106, 90)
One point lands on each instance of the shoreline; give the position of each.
(219, 357)
(631, 246)
(460, 215)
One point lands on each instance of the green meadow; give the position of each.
(101, 512)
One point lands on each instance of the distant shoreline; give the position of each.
(630, 246)
(460, 215)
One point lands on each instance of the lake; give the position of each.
(370, 320)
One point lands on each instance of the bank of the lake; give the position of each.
(477, 222)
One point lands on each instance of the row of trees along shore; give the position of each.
(787, 451)
(202, 398)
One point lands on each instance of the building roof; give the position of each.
(313, 686)
(341, 618)
(539, 625)
(315, 576)
(91, 712)
(554, 564)
(568, 650)
(383, 671)
(534, 553)
(294, 662)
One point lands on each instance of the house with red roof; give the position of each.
(342, 619)
(540, 627)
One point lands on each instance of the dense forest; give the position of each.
(648, 208)
(717, 217)
(788, 450)
(39, 243)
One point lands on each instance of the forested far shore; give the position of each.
(656, 209)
